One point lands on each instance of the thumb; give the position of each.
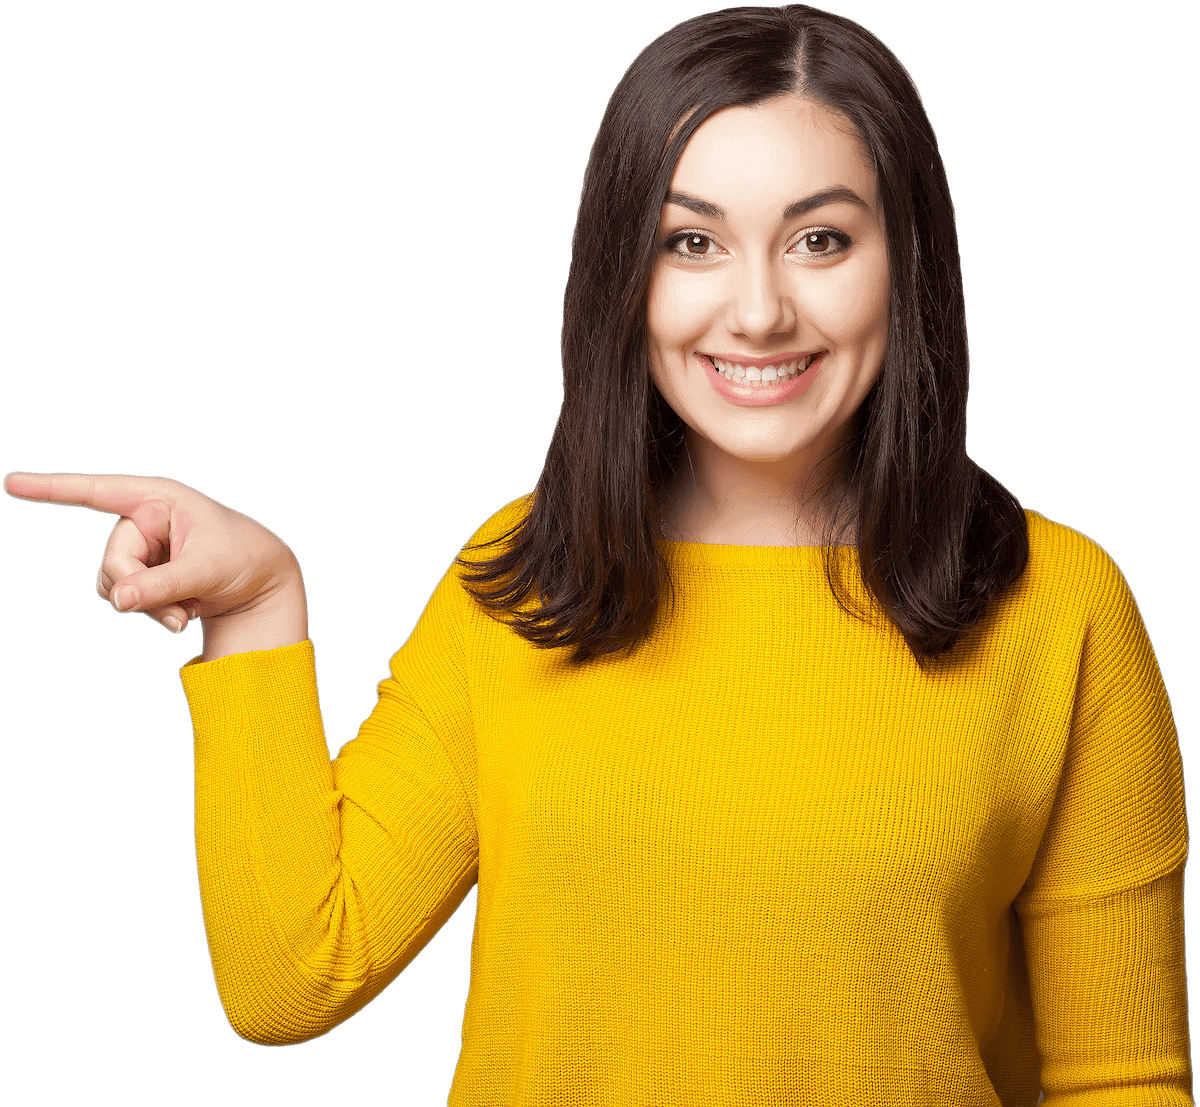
(155, 587)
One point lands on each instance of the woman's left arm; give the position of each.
(1102, 910)
(1109, 992)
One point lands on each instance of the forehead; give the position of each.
(771, 154)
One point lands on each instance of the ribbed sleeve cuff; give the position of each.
(281, 683)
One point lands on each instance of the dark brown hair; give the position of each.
(937, 536)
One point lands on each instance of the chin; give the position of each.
(763, 453)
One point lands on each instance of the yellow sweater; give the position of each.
(761, 859)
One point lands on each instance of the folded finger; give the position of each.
(173, 617)
(126, 551)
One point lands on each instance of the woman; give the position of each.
(862, 785)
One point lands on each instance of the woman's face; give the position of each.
(768, 305)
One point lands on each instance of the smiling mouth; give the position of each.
(755, 377)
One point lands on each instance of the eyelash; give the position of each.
(842, 239)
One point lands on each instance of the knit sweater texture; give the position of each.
(762, 857)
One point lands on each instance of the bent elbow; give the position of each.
(271, 1024)
(281, 1002)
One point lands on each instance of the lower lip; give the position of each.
(759, 395)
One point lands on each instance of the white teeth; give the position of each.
(753, 376)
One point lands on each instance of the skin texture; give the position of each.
(754, 284)
(177, 555)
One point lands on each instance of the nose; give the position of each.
(760, 306)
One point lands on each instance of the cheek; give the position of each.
(678, 309)
(853, 307)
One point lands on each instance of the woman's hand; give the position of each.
(177, 555)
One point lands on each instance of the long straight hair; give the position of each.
(937, 537)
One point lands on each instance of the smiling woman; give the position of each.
(792, 760)
(770, 119)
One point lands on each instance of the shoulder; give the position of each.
(451, 609)
(1060, 553)
(500, 525)
(1069, 629)
(1069, 577)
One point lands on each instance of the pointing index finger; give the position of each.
(116, 494)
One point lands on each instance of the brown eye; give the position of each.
(825, 243)
(691, 244)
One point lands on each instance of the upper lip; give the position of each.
(763, 362)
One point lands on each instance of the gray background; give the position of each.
(309, 258)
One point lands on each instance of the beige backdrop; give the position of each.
(309, 258)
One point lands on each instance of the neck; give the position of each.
(717, 498)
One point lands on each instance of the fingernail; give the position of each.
(172, 624)
(124, 599)
(193, 613)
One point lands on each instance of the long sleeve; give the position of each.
(1108, 987)
(1102, 911)
(319, 881)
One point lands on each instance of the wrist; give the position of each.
(278, 618)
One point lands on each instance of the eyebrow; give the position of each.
(835, 195)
